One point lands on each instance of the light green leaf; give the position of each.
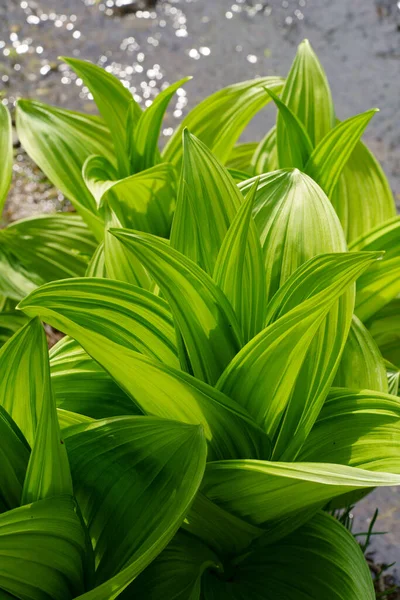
(328, 159)
(51, 246)
(67, 419)
(201, 311)
(294, 146)
(48, 473)
(10, 322)
(307, 94)
(127, 315)
(166, 464)
(362, 197)
(238, 176)
(233, 107)
(261, 491)
(265, 157)
(41, 548)
(295, 221)
(145, 152)
(321, 560)
(160, 390)
(176, 573)
(361, 365)
(15, 281)
(59, 141)
(23, 373)
(280, 377)
(96, 266)
(393, 377)
(6, 154)
(385, 329)
(241, 156)
(360, 428)
(145, 201)
(115, 102)
(14, 456)
(239, 270)
(208, 200)
(82, 386)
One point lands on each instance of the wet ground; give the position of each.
(218, 42)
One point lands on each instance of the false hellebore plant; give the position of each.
(221, 386)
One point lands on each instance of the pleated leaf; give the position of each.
(239, 270)
(241, 156)
(265, 157)
(232, 107)
(145, 152)
(279, 376)
(96, 266)
(15, 281)
(362, 197)
(385, 329)
(208, 200)
(320, 560)
(14, 456)
(328, 159)
(294, 146)
(201, 311)
(116, 105)
(10, 322)
(360, 428)
(361, 365)
(307, 95)
(59, 141)
(146, 471)
(41, 548)
(6, 154)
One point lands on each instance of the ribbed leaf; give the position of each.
(144, 201)
(361, 366)
(357, 428)
(265, 157)
(362, 197)
(208, 200)
(239, 270)
(59, 142)
(145, 152)
(15, 281)
(393, 377)
(241, 156)
(385, 329)
(51, 246)
(125, 314)
(294, 146)
(320, 560)
(148, 500)
(176, 573)
(162, 391)
(96, 266)
(279, 376)
(14, 456)
(233, 107)
(115, 104)
(10, 322)
(82, 386)
(295, 221)
(262, 491)
(6, 154)
(41, 551)
(328, 159)
(201, 311)
(307, 94)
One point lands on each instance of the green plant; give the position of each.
(215, 392)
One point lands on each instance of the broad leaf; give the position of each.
(42, 547)
(202, 313)
(241, 156)
(361, 365)
(10, 322)
(307, 95)
(165, 461)
(280, 377)
(15, 281)
(357, 428)
(6, 154)
(96, 266)
(145, 152)
(233, 107)
(265, 157)
(59, 142)
(330, 156)
(14, 456)
(115, 103)
(294, 146)
(320, 560)
(239, 270)
(385, 329)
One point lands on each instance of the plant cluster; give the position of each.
(229, 373)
